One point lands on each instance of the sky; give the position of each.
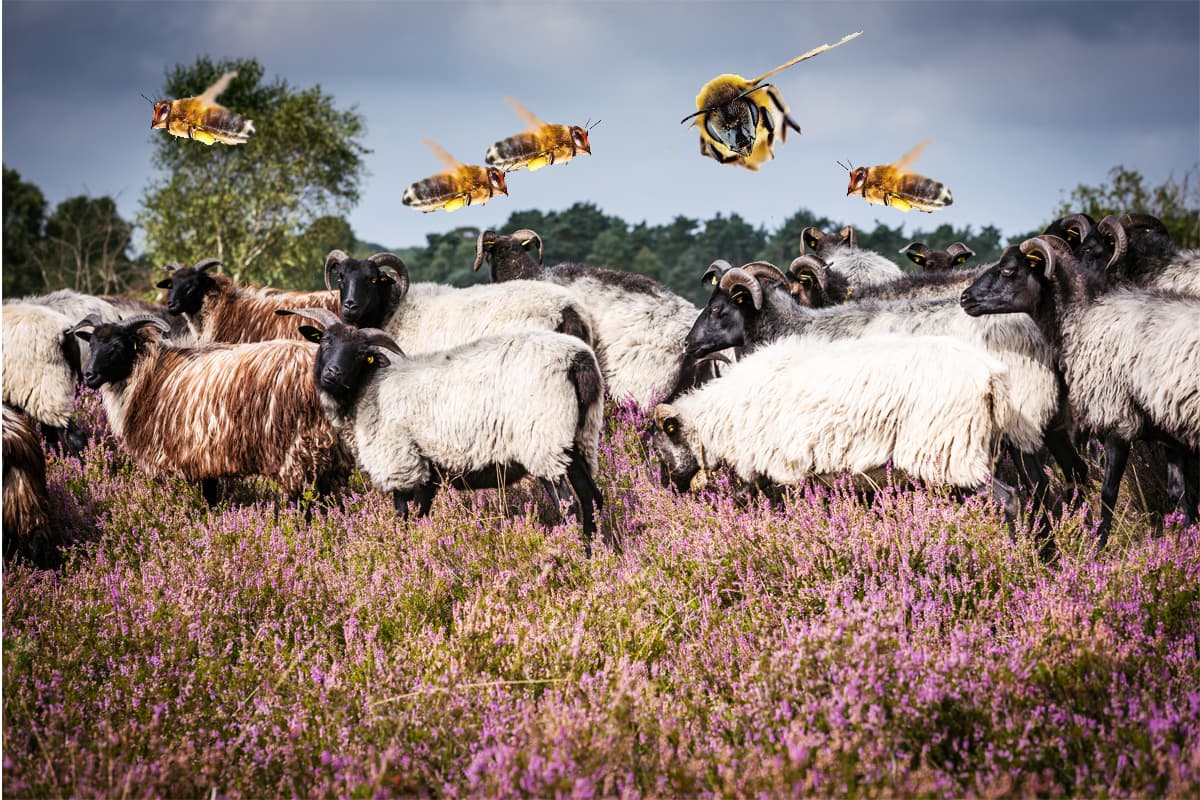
(1024, 101)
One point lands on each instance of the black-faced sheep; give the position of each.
(481, 415)
(930, 260)
(1130, 357)
(639, 323)
(214, 411)
(219, 310)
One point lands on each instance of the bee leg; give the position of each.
(769, 123)
(707, 149)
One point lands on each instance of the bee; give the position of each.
(739, 118)
(539, 145)
(202, 119)
(893, 185)
(460, 185)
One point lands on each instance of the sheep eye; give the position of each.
(374, 280)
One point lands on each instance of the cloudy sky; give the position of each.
(1023, 100)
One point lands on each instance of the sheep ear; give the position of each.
(85, 335)
(666, 419)
(165, 283)
(810, 238)
(917, 253)
(311, 333)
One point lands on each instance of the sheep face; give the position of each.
(1015, 284)
(187, 287)
(346, 359)
(115, 348)
(677, 465)
(721, 324)
(366, 286)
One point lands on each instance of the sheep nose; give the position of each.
(92, 380)
(331, 376)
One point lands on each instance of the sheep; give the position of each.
(932, 406)
(41, 366)
(1137, 250)
(28, 528)
(930, 260)
(752, 306)
(219, 310)
(213, 411)
(480, 415)
(851, 269)
(1130, 357)
(828, 288)
(639, 323)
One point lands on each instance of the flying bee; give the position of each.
(739, 118)
(460, 185)
(203, 119)
(539, 145)
(893, 185)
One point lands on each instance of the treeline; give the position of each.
(676, 253)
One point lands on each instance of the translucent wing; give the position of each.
(449, 161)
(816, 51)
(908, 158)
(211, 93)
(525, 114)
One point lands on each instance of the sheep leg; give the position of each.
(559, 490)
(211, 491)
(1181, 479)
(1116, 455)
(589, 497)
(1031, 472)
(422, 495)
(1074, 468)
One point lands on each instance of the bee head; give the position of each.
(858, 178)
(496, 177)
(162, 110)
(579, 136)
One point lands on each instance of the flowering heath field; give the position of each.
(734, 646)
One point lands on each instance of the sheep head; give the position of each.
(368, 287)
(188, 286)
(509, 257)
(115, 346)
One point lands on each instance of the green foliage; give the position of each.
(24, 216)
(262, 207)
(1176, 203)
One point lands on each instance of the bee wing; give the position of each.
(816, 51)
(908, 158)
(448, 160)
(211, 93)
(525, 114)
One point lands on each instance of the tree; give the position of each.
(1176, 203)
(249, 204)
(24, 216)
(86, 247)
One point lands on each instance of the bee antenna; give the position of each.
(147, 99)
(593, 124)
(848, 166)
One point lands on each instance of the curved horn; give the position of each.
(959, 249)
(849, 236)
(90, 321)
(765, 269)
(334, 257)
(811, 232)
(1049, 246)
(812, 263)
(172, 267)
(321, 315)
(739, 277)
(917, 247)
(715, 270)
(524, 236)
(379, 338)
(482, 242)
(1111, 225)
(206, 264)
(133, 323)
(394, 267)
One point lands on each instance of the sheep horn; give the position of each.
(172, 267)
(1112, 225)
(739, 277)
(917, 247)
(1048, 246)
(133, 323)
(812, 234)
(391, 265)
(959, 249)
(849, 237)
(524, 236)
(812, 263)
(379, 338)
(481, 244)
(1136, 220)
(765, 269)
(716, 358)
(715, 270)
(205, 264)
(334, 257)
(90, 321)
(321, 315)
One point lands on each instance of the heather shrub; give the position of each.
(736, 645)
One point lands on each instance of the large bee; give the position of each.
(203, 119)
(460, 185)
(539, 145)
(739, 118)
(893, 185)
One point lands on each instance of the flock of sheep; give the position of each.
(842, 364)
